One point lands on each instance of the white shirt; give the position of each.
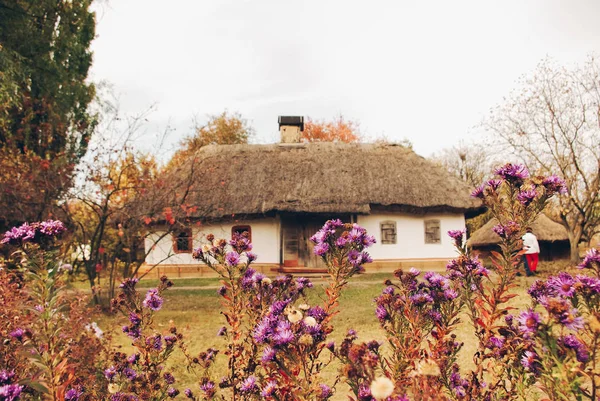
(530, 244)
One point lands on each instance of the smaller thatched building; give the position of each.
(552, 237)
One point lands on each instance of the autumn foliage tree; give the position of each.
(45, 122)
(337, 130)
(121, 193)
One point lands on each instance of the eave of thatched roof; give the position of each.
(543, 228)
(329, 178)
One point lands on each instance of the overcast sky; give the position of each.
(426, 71)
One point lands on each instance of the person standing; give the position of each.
(532, 251)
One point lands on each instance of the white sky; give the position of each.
(427, 71)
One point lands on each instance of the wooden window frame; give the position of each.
(381, 228)
(176, 237)
(241, 228)
(439, 236)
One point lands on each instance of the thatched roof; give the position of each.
(543, 228)
(319, 178)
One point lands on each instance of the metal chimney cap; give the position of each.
(295, 121)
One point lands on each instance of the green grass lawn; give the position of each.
(196, 313)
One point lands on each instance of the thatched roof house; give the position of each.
(334, 178)
(552, 237)
(282, 193)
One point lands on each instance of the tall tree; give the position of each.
(337, 130)
(469, 162)
(45, 123)
(553, 123)
(221, 129)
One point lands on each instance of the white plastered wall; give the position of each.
(265, 241)
(410, 230)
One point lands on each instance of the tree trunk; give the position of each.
(574, 239)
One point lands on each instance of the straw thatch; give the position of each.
(543, 228)
(319, 178)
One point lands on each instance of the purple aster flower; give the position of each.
(10, 392)
(320, 236)
(496, 342)
(325, 392)
(172, 392)
(6, 377)
(554, 184)
(514, 173)
(450, 294)
(341, 242)
(478, 192)
(588, 285)
(381, 312)
(222, 290)
(17, 235)
(321, 248)
(365, 258)
(133, 358)
(248, 385)
(457, 236)
(188, 393)
(208, 388)
(572, 342)
(232, 258)
(153, 300)
(562, 285)
(52, 228)
(420, 299)
(251, 257)
(317, 312)
(134, 318)
(155, 342)
(563, 312)
(130, 374)
(527, 196)
(303, 282)
(368, 240)
(531, 362)
(283, 335)
(17, 334)
(129, 283)
(354, 257)
(494, 184)
(198, 253)
(364, 392)
(262, 330)
(133, 332)
(539, 289)
(222, 331)
(170, 340)
(529, 322)
(73, 394)
(591, 259)
(506, 230)
(268, 354)
(333, 224)
(110, 373)
(269, 389)
(169, 379)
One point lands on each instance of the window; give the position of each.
(182, 241)
(241, 230)
(388, 232)
(432, 232)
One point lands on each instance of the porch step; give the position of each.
(299, 270)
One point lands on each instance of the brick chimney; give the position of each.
(290, 128)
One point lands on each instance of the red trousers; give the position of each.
(532, 260)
